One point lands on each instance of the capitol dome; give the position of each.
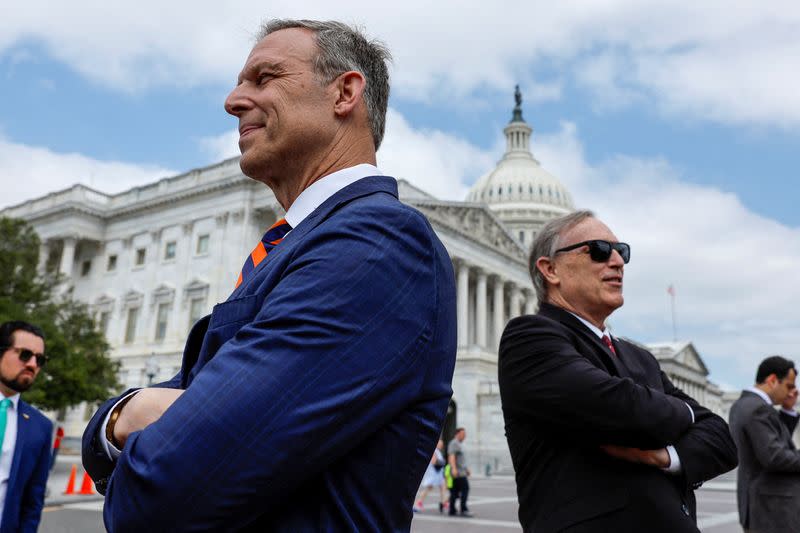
(522, 194)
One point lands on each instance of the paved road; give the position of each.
(492, 500)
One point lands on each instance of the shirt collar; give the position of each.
(594, 329)
(14, 400)
(324, 188)
(764, 395)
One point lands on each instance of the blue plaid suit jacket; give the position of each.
(314, 395)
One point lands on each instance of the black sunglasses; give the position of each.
(600, 250)
(25, 356)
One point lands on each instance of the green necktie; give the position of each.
(4, 405)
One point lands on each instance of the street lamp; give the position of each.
(151, 368)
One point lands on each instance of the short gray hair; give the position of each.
(343, 48)
(547, 242)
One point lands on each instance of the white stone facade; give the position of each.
(152, 260)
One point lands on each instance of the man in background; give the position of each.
(601, 440)
(768, 482)
(25, 433)
(460, 473)
(331, 362)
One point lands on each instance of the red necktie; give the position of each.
(270, 240)
(607, 342)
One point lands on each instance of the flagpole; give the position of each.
(671, 291)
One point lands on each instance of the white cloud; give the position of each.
(724, 60)
(36, 171)
(734, 271)
(436, 162)
(221, 146)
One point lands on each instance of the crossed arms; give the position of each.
(543, 377)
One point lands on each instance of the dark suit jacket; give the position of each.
(789, 421)
(564, 394)
(768, 480)
(314, 395)
(27, 480)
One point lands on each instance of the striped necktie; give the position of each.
(4, 405)
(270, 240)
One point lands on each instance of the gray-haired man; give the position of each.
(601, 440)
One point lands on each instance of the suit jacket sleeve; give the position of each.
(93, 455)
(706, 449)
(768, 442)
(789, 421)
(543, 376)
(334, 351)
(33, 500)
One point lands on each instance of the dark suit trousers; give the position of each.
(460, 489)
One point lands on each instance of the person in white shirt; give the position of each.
(25, 433)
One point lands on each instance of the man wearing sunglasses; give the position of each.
(601, 440)
(25, 433)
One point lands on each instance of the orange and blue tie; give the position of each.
(270, 240)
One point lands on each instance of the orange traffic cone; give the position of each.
(86, 486)
(71, 483)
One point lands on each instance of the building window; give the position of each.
(169, 250)
(521, 236)
(141, 253)
(202, 244)
(105, 316)
(86, 267)
(130, 325)
(112, 263)
(196, 310)
(161, 321)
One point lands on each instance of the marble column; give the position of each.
(67, 256)
(514, 308)
(499, 312)
(530, 301)
(462, 299)
(44, 253)
(480, 310)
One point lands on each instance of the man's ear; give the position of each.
(350, 88)
(547, 267)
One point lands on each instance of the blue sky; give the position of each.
(679, 125)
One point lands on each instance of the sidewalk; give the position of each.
(59, 476)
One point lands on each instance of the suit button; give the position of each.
(685, 509)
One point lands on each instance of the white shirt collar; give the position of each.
(324, 188)
(594, 329)
(14, 400)
(764, 395)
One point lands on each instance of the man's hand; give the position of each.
(658, 458)
(790, 401)
(144, 408)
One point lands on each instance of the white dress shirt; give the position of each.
(311, 198)
(9, 444)
(674, 461)
(764, 395)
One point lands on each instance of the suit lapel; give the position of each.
(613, 364)
(23, 421)
(363, 187)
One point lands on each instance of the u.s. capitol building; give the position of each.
(152, 260)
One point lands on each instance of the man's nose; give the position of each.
(237, 102)
(615, 259)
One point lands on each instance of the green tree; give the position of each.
(79, 368)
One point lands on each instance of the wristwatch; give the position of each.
(112, 420)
